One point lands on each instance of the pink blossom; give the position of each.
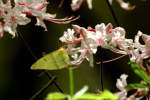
(80, 47)
(143, 49)
(76, 4)
(124, 5)
(85, 45)
(12, 16)
(121, 84)
(82, 43)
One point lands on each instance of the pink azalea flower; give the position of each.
(80, 47)
(124, 5)
(76, 4)
(36, 8)
(12, 16)
(85, 45)
(82, 43)
(121, 84)
(141, 51)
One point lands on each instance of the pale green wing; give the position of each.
(55, 60)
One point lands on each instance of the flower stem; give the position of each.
(113, 13)
(101, 68)
(71, 81)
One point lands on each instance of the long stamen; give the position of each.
(114, 59)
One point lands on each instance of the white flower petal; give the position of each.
(89, 2)
(81, 92)
(23, 20)
(122, 83)
(75, 5)
(39, 22)
(9, 30)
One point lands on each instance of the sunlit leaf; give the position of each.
(58, 59)
(106, 95)
(136, 86)
(56, 96)
(140, 72)
(87, 96)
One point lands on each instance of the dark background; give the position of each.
(19, 82)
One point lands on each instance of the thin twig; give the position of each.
(55, 83)
(71, 81)
(32, 54)
(113, 13)
(28, 47)
(43, 88)
(101, 68)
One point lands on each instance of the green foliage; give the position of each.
(136, 86)
(87, 96)
(140, 72)
(56, 96)
(143, 75)
(55, 60)
(106, 95)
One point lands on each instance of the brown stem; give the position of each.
(43, 88)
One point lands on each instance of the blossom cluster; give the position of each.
(17, 13)
(82, 43)
(121, 85)
(76, 4)
(124, 94)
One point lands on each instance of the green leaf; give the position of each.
(106, 95)
(55, 60)
(139, 71)
(56, 96)
(87, 96)
(136, 86)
